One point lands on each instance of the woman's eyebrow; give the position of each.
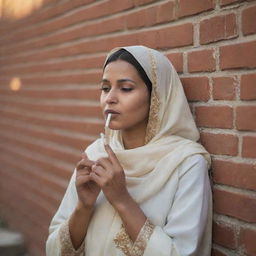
(104, 80)
(125, 80)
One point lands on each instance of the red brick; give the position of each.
(241, 55)
(214, 116)
(248, 20)
(142, 18)
(45, 52)
(239, 175)
(249, 147)
(176, 60)
(89, 78)
(97, 28)
(165, 12)
(151, 16)
(82, 93)
(248, 87)
(58, 109)
(220, 144)
(51, 11)
(247, 240)
(224, 88)
(201, 61)
(196, 88)
(74, 142)
(64, 124)
(84, 63)
(62, 172)
(246, 118)
(175, 36)
(82, 14)
(99, 10)
(224, 235)
(190, 7)
(55, 10)
(46, 150)
(218, 28)
(142, 2)
(148, 39)
(216, 252)
(240, 206)
(227, 2)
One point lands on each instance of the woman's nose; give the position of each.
(111, 97)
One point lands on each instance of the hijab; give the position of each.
(171, 135)
(171, 138)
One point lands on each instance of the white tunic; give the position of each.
(181, 212)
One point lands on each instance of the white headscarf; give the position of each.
(170, 139)
(171, 131)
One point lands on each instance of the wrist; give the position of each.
(124, 203)
(81, 208)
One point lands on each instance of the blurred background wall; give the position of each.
(51, 55)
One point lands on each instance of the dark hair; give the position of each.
(122, 54)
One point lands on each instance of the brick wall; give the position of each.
(50, 66)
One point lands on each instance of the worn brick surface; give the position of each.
(56, 55)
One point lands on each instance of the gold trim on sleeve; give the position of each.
(67, 248)
(125, 244)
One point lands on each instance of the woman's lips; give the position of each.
(111, 112)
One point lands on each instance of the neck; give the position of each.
(134, 138)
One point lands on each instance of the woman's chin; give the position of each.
(115, 128)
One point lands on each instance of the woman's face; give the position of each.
(125, 95)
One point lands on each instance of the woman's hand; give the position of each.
(87, 189)
(109, 175)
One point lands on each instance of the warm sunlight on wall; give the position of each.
(15, 9)
(1, 8)
(15, 84)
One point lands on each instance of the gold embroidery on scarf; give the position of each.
(153, 120)
(124, 243)
(67, 248)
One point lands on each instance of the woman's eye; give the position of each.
(127, 89)
(105, 88)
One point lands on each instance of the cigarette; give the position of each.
(108, 120)
(105, 137)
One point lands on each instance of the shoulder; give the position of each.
(195, 163)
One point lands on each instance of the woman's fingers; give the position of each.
(110, 152)
(96, 178)
(111, 162)
(99, 170)
(84, 163)
(82, 178)
(101, 176)
(105, 163)
(112, 156)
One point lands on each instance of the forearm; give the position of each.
(132, 216)
(78, 224)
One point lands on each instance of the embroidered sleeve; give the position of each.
(67, 248)
(125, 244)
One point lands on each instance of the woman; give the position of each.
(147, 192)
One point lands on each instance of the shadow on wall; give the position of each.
(17, 9)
